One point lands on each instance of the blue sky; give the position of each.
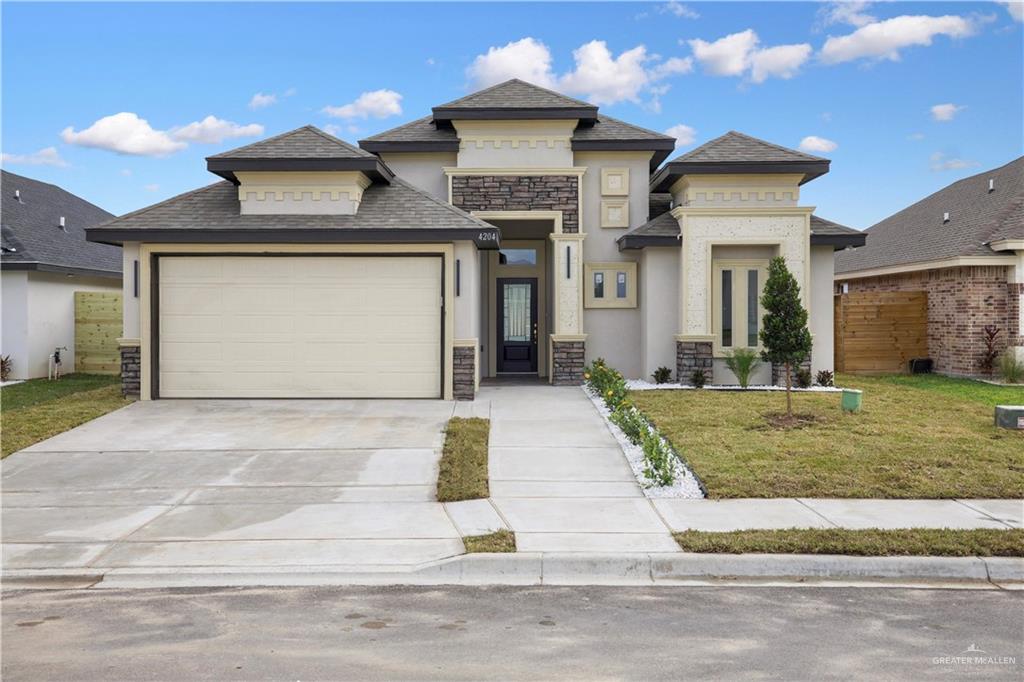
(120, 103)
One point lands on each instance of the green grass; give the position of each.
(872, 542)
(463, 470)
(498, 541)
(38, 409)
(916, 437)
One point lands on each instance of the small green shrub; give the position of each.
(632, 423)
(802, 378)
(825, 378)
(662, 375)
(5, 367)
(658, 459)
(742, 362)
(606, 382)
(1011, 368)
(698, 378)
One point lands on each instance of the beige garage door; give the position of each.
(299, 326)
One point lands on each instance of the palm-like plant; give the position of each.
(742, 362)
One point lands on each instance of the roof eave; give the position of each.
(629, 242)
(661, 148)
(839, 241)
(34, 266)
(485, 237)
(667, 176)
(378, 146)
(226, 168)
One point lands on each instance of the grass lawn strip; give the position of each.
(463, 471)
(498, 541)
(36, 391)
(20, 428)
(871, 542)
(917, 437)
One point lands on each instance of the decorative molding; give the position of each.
(609, 271)
(554, 216)
(615, 182)
(515, 141)
(566, 338)
(465, 343)
(1007, 245)
(128, 342)
(453, 170)
(615, 213)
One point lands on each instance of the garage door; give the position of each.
(299, 326)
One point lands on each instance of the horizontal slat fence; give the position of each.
(97, 328)
(879, 332)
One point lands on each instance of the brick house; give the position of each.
(964, 246)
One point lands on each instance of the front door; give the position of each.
(517, 324)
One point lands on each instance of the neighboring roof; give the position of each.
(918, 234)
(515, 99)
(738, 153)
(663, 230)
(397, 212)
(31, 237)
(305, 148)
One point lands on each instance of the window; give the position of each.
(517, 257)
(737, 308)
(611, 285)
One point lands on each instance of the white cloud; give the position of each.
(813, 143)
(684, 134)
(915, 137)
(940, 162)
(124, 133)
(826, 116)
(127, 172)
(259, 100)
(739, 53)
(678, 9)
(213, 130)
(375, 104)
(885, 39)
(946, 112)
(152, 188)
(1015, 8)
(846, 12)
(671, 67)
(47, 156)
(528, 59)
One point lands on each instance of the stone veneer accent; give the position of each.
(568, 362)
(464, 365)
(131, 364)
(693, 355)
(520, 193)
(961, 301)
(779, 372)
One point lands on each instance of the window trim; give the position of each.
(610, 272)
(739, 268)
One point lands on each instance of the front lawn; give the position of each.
(916, 437)
(38, 409)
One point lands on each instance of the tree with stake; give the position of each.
(784, 333)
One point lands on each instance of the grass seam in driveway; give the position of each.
(500, 541)
(868, 542)
(462, 474)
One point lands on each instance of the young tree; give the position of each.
(784, 333)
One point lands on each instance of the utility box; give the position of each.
(1010, 417)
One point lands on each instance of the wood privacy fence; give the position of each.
(879, 332)
(97, 328)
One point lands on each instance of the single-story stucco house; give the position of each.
(514, 231)
(964, 246)
(44, 260)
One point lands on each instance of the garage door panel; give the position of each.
(282, 326)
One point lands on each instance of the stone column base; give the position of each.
(691, 356)
(464, 372)
(567, 361)
(131, 373)
(779, 372)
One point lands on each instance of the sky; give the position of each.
(121, 103)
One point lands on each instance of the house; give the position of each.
(514, 231)
(44, 260)
(964, 246)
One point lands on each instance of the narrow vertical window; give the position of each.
(458, 277)
(752, 308)
(598, 285)
(620, 285)
(727, 308)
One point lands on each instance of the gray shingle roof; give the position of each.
(31, 231)
(608, 128)
(307, 142)
(516, 94)
(737, 147)
(420, 130)
(976, 217)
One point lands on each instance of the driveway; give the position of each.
(182, 483)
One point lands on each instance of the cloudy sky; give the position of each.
(120, 103)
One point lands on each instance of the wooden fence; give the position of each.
(879, 332)
(97, 328)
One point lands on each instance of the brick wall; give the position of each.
(131, 363)
(520, 193)
(568, 362)
(961, 301)
(464, 384)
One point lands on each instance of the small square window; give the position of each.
(612, 285)
(598, 285)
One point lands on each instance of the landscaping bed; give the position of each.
(872, 542)
(921, 436)
(462, 474)
(38, 409)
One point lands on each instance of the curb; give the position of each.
(567, 569)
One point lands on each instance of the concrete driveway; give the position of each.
(233, 483)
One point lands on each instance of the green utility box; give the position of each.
(851, 399)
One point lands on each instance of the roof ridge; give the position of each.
(633, 125)
(515, 80)
(146, 209)
(331, 138)
(445, 204)
(308, 127)
(398, 127)
(776, 146)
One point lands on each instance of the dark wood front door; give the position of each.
(517, 324)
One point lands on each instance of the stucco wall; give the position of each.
(130, 302)
(467, 297)
(820, 318)
(515, 144)
(14, 326)
(658, 273)
(422, 170)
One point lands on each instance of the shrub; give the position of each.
(825, 378)
(5, 367)
(784, 333)
(632, 423)
(803, 378)
(662, 375)
(658, 458)
(990, 335)
(698, 378)
(1011, 368)
(606, 382)
(742, 362)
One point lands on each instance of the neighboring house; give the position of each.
(44, 260)
(964, 246)
(509, 232)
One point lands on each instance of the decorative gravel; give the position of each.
(642, 385)
(686, 485)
